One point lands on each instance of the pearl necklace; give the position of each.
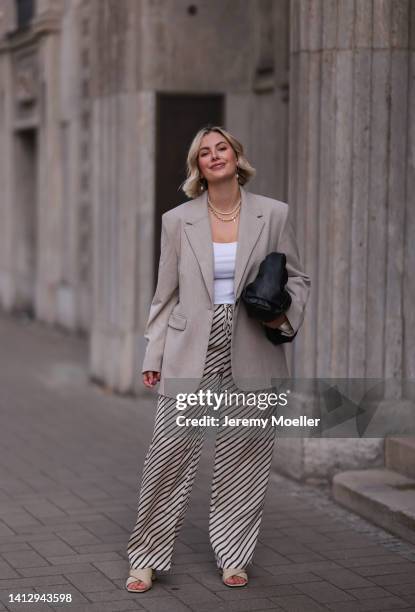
(217, 213)
(222, 212)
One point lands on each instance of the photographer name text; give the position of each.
(280, 421)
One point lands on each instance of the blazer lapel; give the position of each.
(199, 233)
(198, 230)
(250, 228)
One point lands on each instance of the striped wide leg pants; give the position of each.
(240, 478)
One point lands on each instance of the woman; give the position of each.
(200, 337)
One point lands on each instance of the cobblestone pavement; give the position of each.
(71, 461)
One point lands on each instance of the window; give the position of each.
(25, 10)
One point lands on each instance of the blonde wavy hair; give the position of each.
(193, 186)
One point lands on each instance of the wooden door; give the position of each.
(179, 117)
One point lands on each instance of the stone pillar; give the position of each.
(50, 197)
(7, 283)
(409, 251)
(123, 196)
(350, 187)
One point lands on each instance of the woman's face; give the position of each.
(216, 158)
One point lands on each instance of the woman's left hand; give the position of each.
(276, 322)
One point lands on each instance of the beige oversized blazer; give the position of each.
(180, 318)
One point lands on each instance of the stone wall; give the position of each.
(140, 49)
(321, 93)
(351, 182)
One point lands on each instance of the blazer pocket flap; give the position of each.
(177, 321)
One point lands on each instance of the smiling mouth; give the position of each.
(217, 166)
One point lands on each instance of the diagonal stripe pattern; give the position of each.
(240, 477)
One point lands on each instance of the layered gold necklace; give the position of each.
(225, 216)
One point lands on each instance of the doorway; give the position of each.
(178, 118)
(25, 219)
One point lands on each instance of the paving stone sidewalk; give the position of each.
(71, 460)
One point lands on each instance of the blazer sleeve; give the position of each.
(165, 298)
(299, 283)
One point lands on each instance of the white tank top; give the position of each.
(224, 271)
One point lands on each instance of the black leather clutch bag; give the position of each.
(266, 297)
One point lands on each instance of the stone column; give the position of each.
(123, 124)
(7, 284)
(350, 178)
(407, 165)
(47, 23)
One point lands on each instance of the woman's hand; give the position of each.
(276, 322)
(151, 378)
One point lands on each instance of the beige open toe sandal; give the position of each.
(234, 571)
(145, 576)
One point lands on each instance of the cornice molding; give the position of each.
(46, 23)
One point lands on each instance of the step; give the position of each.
(382, 496)
(400, 455)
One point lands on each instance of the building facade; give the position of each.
(98, 102)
